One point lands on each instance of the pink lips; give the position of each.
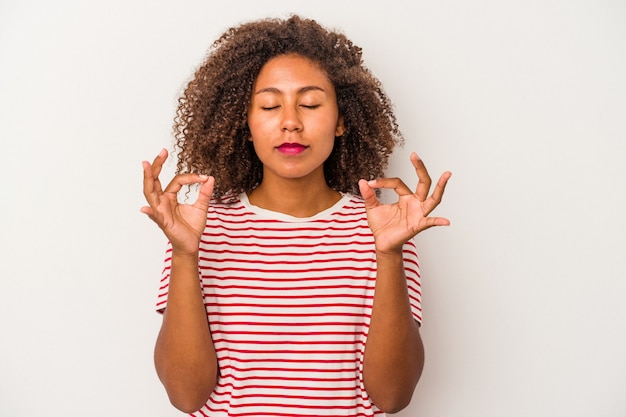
(292, 148)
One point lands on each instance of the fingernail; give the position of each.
(202, 176)
(371, 183)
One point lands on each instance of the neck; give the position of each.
(294, 197)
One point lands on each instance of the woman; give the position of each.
(284, 292)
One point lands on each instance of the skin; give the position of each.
(184, 354)
(293, 102)
(394, 353)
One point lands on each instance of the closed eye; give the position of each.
(270, 107)
(314, 106)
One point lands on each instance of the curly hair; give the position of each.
(211, 124)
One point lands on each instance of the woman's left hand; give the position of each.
(394, 224)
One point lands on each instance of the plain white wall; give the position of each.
(525, 101)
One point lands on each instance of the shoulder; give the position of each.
(351, 203)
(228, 200)
(229, 205)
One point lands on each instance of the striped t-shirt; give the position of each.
(289, 303)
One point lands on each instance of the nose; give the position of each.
(291, 120)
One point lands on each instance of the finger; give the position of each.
(436, 221)
(148, 211)
(152, 215)
(184, 179)
(424, 181)
(158, 162)
(204, 195)
(368, 194)
(437, 195)
(151, 187)
(395, 184)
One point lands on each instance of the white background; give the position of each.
(524, 101)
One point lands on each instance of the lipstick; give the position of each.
(292, 148)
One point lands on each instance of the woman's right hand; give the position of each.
(183, 224)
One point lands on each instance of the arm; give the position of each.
(394, 353)
(184, 354)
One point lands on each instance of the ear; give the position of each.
(340, 129)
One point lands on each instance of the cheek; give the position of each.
(255, 128)
(260, 124)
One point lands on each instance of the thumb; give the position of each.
(368, 194)
(206, 190)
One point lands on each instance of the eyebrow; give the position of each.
(300, 91)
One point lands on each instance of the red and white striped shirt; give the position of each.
(289, 303)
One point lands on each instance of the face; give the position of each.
(293, 118)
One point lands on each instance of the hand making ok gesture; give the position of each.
(183, 224)
(394, 224)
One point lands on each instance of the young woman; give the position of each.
(288, 288)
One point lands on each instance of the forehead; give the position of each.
(292, 68)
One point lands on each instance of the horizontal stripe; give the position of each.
(282, 259)
(289, 303)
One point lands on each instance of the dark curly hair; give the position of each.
(211, 125)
